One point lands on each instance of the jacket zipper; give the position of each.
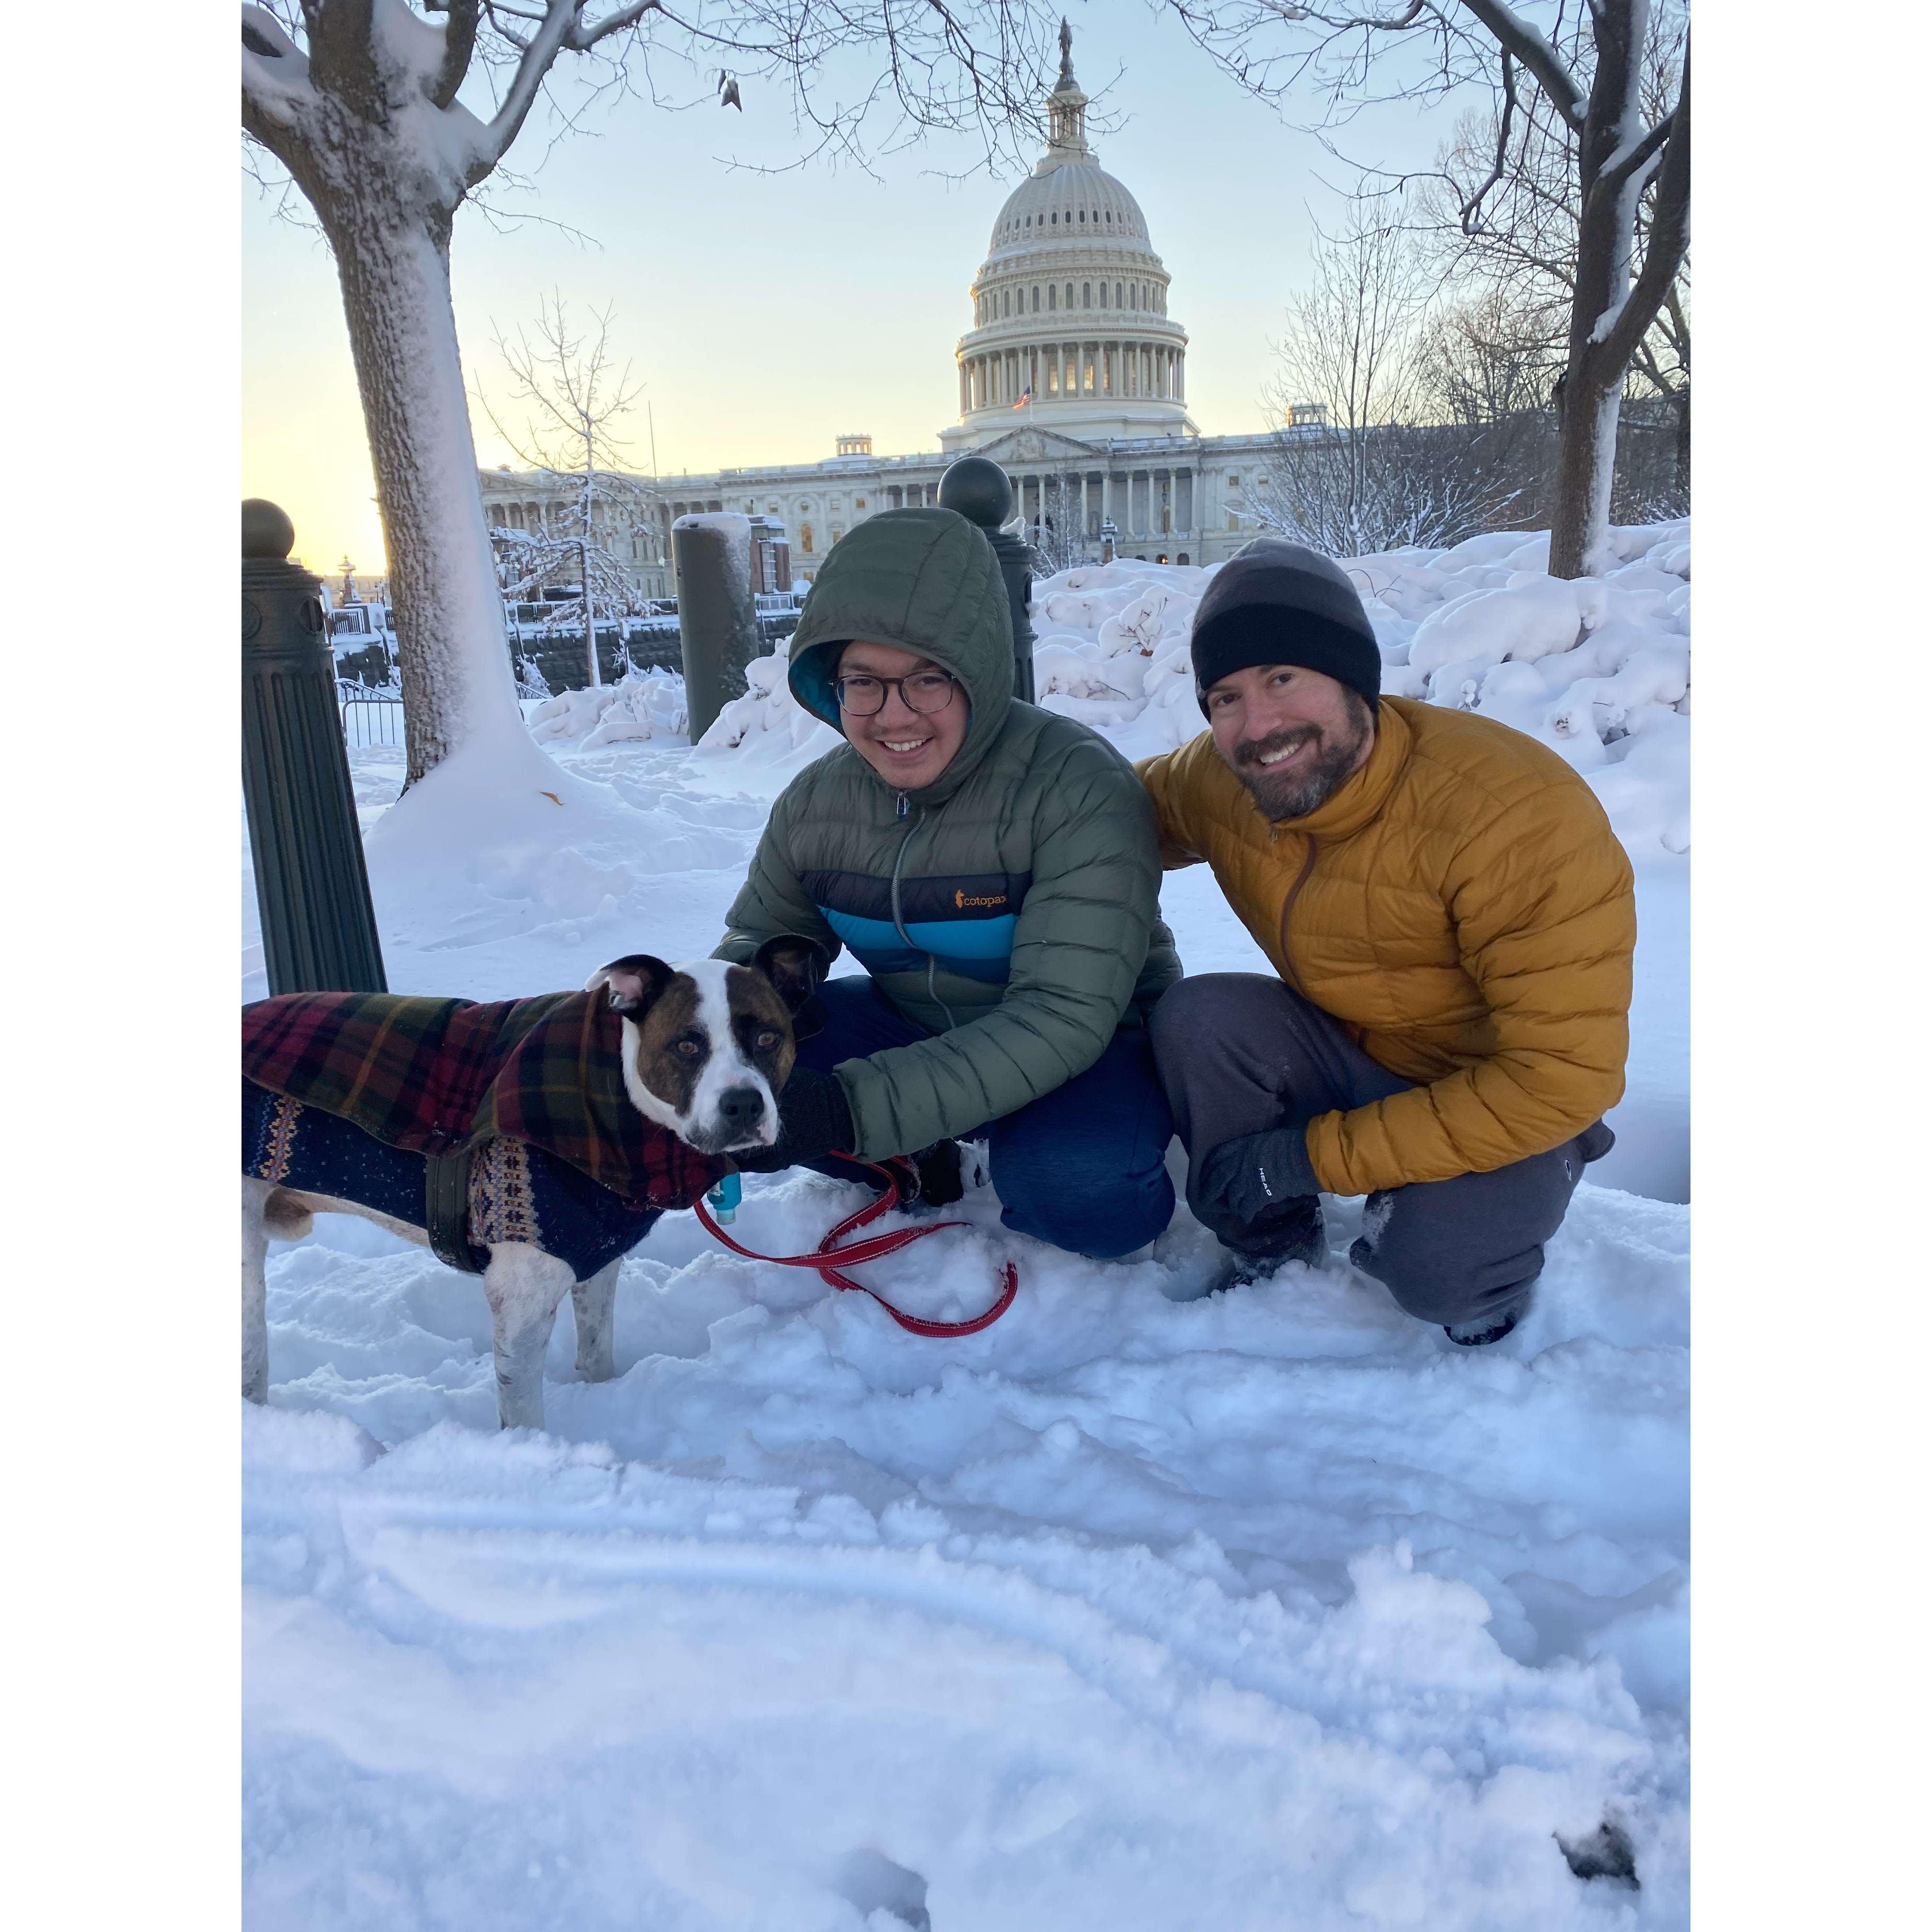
(898, 919)
(1287, 907)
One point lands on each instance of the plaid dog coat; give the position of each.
(436, 1076)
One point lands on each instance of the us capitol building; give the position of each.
(1073, 377)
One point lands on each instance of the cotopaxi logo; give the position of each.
(962, 901)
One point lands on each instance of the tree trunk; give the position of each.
(1586, 455)
(394, 262)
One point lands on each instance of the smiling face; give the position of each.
(907, 749)
(1292, 736)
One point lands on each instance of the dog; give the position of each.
(705, 1049)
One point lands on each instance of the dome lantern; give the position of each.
(1067, 105)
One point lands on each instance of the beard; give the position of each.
(1314, 779)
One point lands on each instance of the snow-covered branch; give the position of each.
(1667, 242)
(459, 47)
(585, 36)
(1516, 36)
(539, 55)
(276, 95)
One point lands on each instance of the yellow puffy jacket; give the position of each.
(1461, 906)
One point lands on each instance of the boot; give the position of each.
(1485, 1329)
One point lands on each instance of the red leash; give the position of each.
(872, 1249)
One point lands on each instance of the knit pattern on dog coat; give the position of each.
(434, 1075)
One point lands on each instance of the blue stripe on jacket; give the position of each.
(977, 948)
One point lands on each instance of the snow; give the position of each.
(636, 710)
(1137, 1610)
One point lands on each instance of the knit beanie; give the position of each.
(1277, 602)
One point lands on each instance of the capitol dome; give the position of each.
(1070, 326)
(1068, 201)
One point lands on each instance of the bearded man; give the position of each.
(1451, 920)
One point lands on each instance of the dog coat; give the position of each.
(435, 1077)
(514, 1191)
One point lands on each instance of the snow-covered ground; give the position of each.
(1137, 1610)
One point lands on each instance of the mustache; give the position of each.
(1255, 749)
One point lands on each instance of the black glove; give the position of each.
(1252, 1179)
(939, 1184)
(814, 1119)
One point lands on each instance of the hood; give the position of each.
(922, 580)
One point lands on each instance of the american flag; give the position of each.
(1026, 396)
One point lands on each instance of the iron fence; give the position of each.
(369, 717)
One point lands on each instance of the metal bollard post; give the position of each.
(982, 493)
(318, 924)
(717, 619)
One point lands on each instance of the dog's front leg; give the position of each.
(595, 1304)
(254, 1288)
(524, 1286)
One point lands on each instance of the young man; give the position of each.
(1452, 921)
(995, 870)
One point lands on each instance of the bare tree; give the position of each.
(359, 100)
(1522, 252)
(1058, 543)
(1584, 67)
(576, 397)
(1355, 467)
(1487, 360)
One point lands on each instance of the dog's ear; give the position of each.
(631, 984)
(794, 965)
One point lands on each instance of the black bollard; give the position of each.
(318, 924)
(717, 618)
(982, 493)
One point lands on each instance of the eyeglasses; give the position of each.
(924, 691)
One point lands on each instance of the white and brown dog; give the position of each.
(706, 1047)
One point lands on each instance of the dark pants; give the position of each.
(1083, 1168)
(1239, 1053)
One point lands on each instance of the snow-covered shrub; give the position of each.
(768, 724)
(636, 708)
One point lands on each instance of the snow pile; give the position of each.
(636, 709)
(767, 727)
(1598, 669)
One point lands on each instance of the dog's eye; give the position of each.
(766, 1041)
(689, 1046)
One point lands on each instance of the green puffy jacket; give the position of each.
(1011, 906)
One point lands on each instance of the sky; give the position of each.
(768, 314)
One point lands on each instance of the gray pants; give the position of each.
(1239, 1053)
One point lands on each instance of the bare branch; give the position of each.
(1472, 204)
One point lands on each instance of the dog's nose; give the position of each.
(739, 1107)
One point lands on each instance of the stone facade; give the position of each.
(1073, 377)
